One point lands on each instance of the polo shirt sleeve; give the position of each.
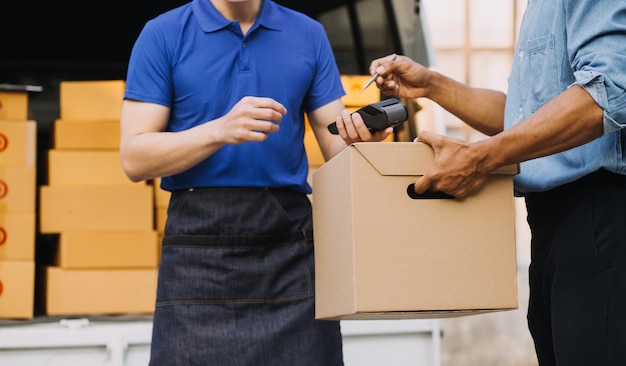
(149, 72)
(326, 85)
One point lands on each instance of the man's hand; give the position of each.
(352, 129)
(251, 119)
(456, 169)
(402, 77)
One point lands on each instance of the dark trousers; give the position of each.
(577, 308)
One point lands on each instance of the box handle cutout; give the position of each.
(410, 190)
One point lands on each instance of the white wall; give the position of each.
(473, 42)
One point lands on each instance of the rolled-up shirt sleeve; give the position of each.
(596, 34)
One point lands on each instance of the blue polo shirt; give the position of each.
(199, 64)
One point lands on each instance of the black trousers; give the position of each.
(577, 307)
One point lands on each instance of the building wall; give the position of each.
(474, 42)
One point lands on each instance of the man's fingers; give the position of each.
(425, 137)
(421, 185)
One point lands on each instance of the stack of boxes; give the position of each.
(106, 260)
(108, 227)
(17, 206)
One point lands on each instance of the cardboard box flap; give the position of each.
(390, 159)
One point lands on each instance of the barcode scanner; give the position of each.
(378, 116)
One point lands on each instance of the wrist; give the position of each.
(489, 156)
(434, 85)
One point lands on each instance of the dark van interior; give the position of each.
(43, 43)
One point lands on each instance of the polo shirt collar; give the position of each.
(211, 20)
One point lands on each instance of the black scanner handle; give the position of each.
(332, 128)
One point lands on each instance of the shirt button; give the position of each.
(244, 45)
(521, 54)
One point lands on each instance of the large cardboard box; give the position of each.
(86, 167)
(98, 100)
(17, 190)
(64, 208)
(108, 249)
(380, 253)
(17, 289)
(17, 237)
(18, 143)
(14, 105)
(87, 134)
(92, 292)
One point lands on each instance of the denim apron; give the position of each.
(236, 282)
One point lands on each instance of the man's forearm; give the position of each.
(482, 109)
(570, 120)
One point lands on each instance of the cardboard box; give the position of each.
(108, 249)
(13, 105)
(85, 100)
(17, 289)
(87, 134)
(17, 190)
(17, 237)
(64, 208)
(86, 167)
(18, 143)
(355, 95)
(382, 254)
(91, 292)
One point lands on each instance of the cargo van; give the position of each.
(75, 40)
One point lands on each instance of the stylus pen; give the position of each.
(391, 58)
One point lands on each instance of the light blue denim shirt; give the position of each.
(564, 43)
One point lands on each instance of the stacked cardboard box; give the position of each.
(17, 206)
(106, 260)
